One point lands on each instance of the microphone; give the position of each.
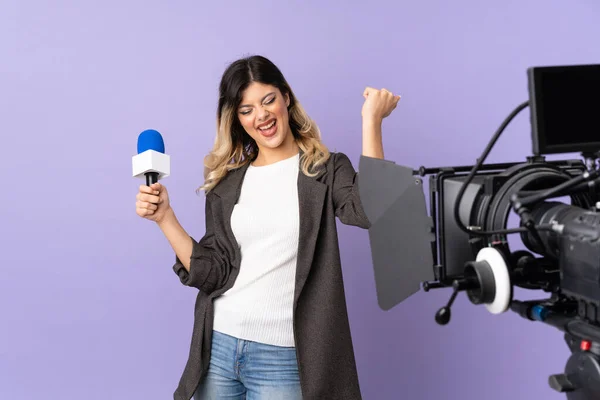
(151, 161)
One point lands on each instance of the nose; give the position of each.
(262, 114)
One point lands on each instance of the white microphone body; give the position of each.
(151, 165)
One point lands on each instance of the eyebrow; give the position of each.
(263, 99)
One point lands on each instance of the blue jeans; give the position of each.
(246, 370)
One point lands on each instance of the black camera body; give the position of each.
(461, 240)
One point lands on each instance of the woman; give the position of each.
(270, 320)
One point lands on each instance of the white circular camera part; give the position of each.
(501, 279)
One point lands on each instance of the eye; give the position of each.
(245, 112)
(270, 100)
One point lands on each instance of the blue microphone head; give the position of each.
(150, 140)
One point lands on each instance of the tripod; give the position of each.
(581, 379)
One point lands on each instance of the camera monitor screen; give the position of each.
(565, 108)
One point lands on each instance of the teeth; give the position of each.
(267, 127)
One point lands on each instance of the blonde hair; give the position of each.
(233, 147)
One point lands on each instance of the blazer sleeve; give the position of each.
(209, 264)
(345, 193)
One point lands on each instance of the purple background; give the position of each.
(89, 304)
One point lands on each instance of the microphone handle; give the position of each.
(151, 177)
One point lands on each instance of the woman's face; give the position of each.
(263, 112)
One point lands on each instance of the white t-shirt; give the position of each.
(265, 222)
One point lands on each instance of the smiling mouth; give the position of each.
(268, 129)
(267, 126)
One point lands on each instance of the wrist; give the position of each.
(372, 129)
(372, 121)
(372, 141)
(167, 219)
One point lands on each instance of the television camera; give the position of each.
(462, 241)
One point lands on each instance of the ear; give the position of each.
(287, 100)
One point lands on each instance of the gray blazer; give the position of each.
(321, 329)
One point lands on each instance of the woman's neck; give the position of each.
(287, 149)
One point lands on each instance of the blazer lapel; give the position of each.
(311, 197)
(229, 192)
